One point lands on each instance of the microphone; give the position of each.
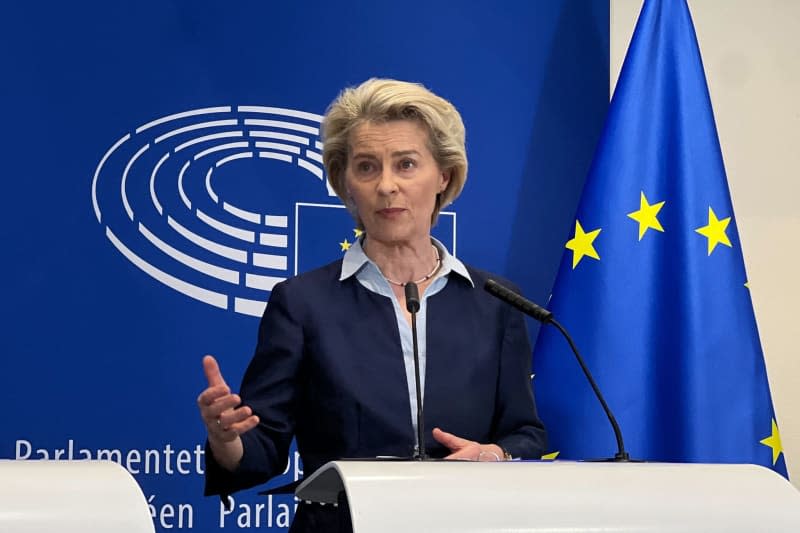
(412, 297)
(412, 305)
(520, 302)
(546, 317)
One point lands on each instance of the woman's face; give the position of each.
(393, 180)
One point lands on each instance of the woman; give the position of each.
(334, 365)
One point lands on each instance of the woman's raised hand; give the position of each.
(224, 416)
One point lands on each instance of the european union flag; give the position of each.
(652, 284)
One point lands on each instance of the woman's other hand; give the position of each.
(467, 450)
(224, 416)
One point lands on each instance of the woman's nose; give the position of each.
(388, 182)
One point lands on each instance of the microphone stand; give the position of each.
(546, 317)
(412, 305)
(622, 455)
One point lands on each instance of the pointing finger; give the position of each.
(211, 369)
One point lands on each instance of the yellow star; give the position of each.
(774, 442)
(345, 245)
(358, 232)
(714, 231)
(550, 456)
(747, 284)
(646, 216)
(581, 244)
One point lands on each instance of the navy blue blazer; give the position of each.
(328, 369)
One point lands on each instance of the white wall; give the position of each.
(751, 53)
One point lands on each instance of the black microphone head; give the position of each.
(494, 288)
(523, 304)
(412, 297)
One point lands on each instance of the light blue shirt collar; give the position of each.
(355, 259)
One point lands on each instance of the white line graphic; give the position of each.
(153, 195)
(233, 231)
(279, 146)
(454, 229)
(255, 281)
(314, 155)
(219, 249)
(281, 111)
(185, 114)
(275, 155)
(276, 221)
(125, 179)
(255, 218)
(279, 136)
(219, 148)
(206, 138)
(225, 274)
(209, 189)
(194, 127)
(182, 193)
(275, 262)
(271, 239)
(97, 173)
(198, 293)
(249, 307)
(234, 157)
(310, 167)
(281, 125)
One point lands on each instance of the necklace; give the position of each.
(423, 278)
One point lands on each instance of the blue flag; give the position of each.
(652, 283)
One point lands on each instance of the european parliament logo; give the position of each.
(222, 203)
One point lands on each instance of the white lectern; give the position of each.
(71, 497)
(518, 496)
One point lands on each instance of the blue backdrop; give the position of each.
(161, 169)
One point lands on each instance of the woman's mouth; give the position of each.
(391, 211)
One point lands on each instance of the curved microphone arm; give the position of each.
(622, 455)
(546, 317)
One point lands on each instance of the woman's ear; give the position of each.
(445, 180)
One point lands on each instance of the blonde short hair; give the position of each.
(383, 100)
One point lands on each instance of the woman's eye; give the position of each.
(364, 167)
(407, 164)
